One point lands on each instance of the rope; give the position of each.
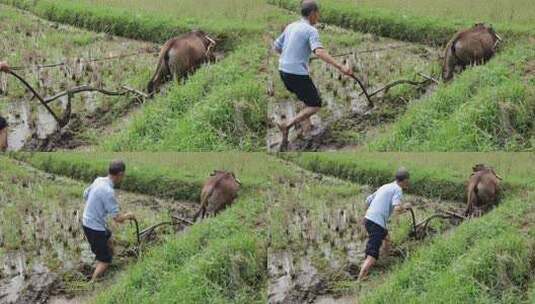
(52, 65)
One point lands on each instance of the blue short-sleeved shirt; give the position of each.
(297, 43)
(382, 202)
(100, 203)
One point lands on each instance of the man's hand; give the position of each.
(324, 55)
(346, 70)
(407, 206)
(129, 216)
(4, 67)
(123, 217)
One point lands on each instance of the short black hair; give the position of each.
(117, 167)
(3, 123)
(308, 7)
(402, 174)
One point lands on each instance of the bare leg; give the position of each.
(365, 268)
(303, 115)
(99, 270)
(3, 140)
(306, 126)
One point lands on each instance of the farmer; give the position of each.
(100, 203)
(3, 134)
(4, 67)
(295, 46)
(380, 206)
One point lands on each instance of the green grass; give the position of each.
(221, 107)
(487, 260)
(487, 108)
(40, 219)
(52, 43)
(160, 20)
(220, 260)
(516, 12)
(415, 23)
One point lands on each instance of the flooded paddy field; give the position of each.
(77, 57)
(346, 120)
(317, 239)
(43, 252)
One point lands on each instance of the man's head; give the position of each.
(311, 11)
(116, 171)
(3, 134)
(402, 178)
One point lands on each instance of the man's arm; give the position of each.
(317, 48)
(369, 199)
(120, 218)
(112, 207)
(398, 206)
(325, 56)
(279, 42)
(4, 67)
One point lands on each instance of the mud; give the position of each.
(31, 126)
(53, 259)
(345, 120)
(326, 249)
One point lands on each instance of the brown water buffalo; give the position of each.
(482, 190)
(181, 56)
(468, 47)
(219, 191)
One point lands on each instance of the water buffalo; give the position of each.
(482, 190)
(181, 56)
(468, 47)
(219, 191)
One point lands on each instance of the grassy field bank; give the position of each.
(495, 250)
(412, 20)
(55, 43)
(40, 229)
(488, 108)
(222, 108)
(440, 175)
(158, 21)
(221, 260)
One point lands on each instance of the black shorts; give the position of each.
(303, 87)
(376, 235)
(99, 243)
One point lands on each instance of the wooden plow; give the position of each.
(422, 229)
(144, 235)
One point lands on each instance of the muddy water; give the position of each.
(31, 126)
(329, 248)
(52, 253)
(345, 110)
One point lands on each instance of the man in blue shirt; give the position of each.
(295, 46)
(380, 206)
(100, 204)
